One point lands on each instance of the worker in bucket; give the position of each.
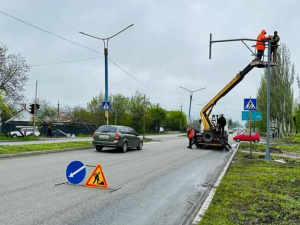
(274, 45)
(260, 44)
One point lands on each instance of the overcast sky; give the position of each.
(166, 48)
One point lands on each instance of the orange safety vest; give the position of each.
(260, 45)
(191, 133)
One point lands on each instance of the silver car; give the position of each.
(120, 137)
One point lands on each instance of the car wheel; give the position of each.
(55, 135)
(99, 148)
(140, 146)
(255, 141)
(238, 140)
(14, 135)
(124, 147)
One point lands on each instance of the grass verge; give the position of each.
(274, 148)
(257, 191)
(13, 149)
(27, 138)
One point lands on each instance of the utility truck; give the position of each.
(210, 135)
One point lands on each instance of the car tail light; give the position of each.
(117, 137)
(94, 135)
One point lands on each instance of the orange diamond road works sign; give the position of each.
(97, 178)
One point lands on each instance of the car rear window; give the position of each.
(108, 129)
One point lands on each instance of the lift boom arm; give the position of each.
(205, 112)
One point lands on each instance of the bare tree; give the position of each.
(13, 75)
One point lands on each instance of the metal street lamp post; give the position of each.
(105, 42)
(191, 96)
(268, 155)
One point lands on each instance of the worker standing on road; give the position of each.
(222, 123)
(191, 135)
(274, 45)
(260, 44)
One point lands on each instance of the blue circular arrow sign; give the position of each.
(75, 172)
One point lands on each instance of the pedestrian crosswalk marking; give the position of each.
(97, 178)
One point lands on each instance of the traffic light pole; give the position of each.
(34, 111)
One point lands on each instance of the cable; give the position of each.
(131, 75)
(48, 32)
(65, 39)
(222, 107)
(159, 94)
(80, 60)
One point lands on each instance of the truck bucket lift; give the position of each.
(211, 136)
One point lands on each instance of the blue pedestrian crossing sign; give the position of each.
(250, 104)
(105, 106)
(75, 172)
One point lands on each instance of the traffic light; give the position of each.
(37, 106)
(32, 108)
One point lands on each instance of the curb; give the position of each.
(211, 194)
(6, 156)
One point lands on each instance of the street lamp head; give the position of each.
(190, 90)
(106, 39)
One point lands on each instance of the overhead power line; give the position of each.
(133, 77)
(223, 107)
(72, 61)
(160, 94)
(48, 32)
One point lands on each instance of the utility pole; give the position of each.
(144, 127)
(180, 118)
(191, 96)
(157, 127)
(105, 42)
(116, 111)
(58, 108)
(34, 111)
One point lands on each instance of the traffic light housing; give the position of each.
(37, 106)
(32, 108)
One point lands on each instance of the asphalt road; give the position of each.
(161, 184)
